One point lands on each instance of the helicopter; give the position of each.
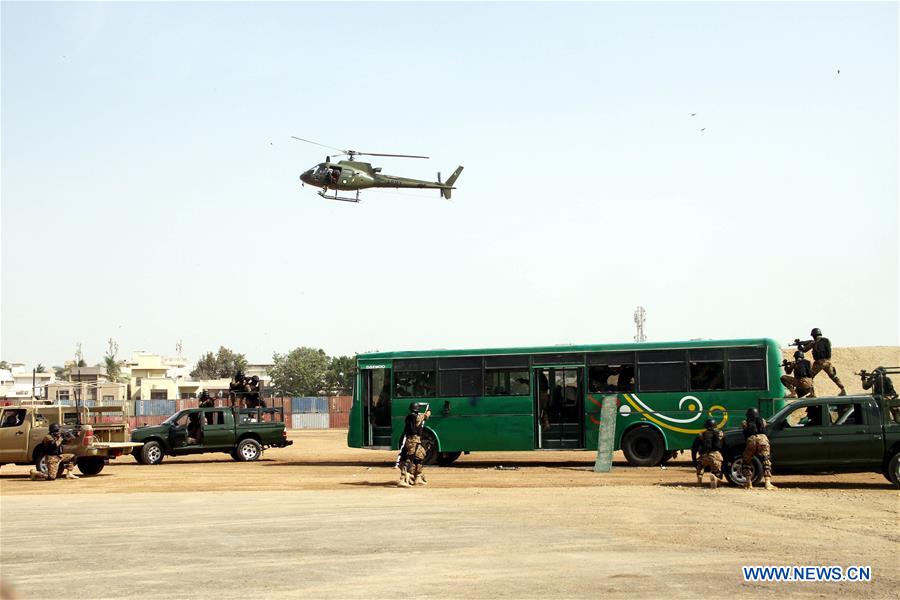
(354, 175)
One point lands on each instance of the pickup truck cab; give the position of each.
(22, 431)
(201, 430)
(849, 434)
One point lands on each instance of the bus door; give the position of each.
(376, 395)
(559, 407)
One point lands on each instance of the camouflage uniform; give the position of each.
(800, 383)
(52, 448)
(709, 447)
(757, 445)
(821, 347)
(413, 451)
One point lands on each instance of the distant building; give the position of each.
(21, 382)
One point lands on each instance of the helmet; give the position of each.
(752, 413)
(880, 370)
(204, 395)
(798, 354)
(414, 407)
(710, 424)
(815, 332)
(239, 375)
(54, 428)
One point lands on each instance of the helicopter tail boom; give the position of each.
(445, 191)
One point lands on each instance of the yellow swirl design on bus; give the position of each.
(652, 419)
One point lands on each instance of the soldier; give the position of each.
(51, 446)
(755, 432)
(709, 445)
(881, 385)
(801, 383)
(237, 389)
(205, 400)
(411, 466)
(821, 348)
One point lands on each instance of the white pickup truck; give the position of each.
(23, 427)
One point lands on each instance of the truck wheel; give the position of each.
(445, 459)
(732, 471)
(90, 465)
(893, 470)
(40, 462)
(248, 450)
(152, 453)
(643, 447)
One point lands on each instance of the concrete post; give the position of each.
(607, 437)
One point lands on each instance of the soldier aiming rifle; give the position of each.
(821, 349)
(881, 385)
(52, 446)
(800, 383)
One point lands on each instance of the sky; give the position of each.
(150, 187)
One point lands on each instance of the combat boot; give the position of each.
(748, 485)
(36, 475)
(404, 481)
(769, 485)
(71, 475)
(420, 480)
(713, 481)
(699, 478)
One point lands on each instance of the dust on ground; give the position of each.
(322, 520)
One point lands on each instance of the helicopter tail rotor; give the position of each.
(448, 187)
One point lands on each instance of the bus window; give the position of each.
(747, 369)
(707, 369)
(604, 379)
(661, 371)
(460, 382)
(414, 384)
(506, 382)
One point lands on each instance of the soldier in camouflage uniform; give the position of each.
(755, 432)
(51, 446)
(821, 349)
(709, 446)
(413, 450)
(800, 383)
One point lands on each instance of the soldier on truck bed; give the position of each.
(881, 385)
(821, 349)
(800, 383)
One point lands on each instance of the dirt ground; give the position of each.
(321, 520)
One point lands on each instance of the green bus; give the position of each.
(549, 398)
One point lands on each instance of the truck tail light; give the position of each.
(284, 434)
(88, 437)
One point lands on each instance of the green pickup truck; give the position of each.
(201, 430)
(847, 434)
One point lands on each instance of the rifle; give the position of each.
(800, 343)
(785, 363)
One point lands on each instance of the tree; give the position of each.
(220, 365)
(113, 371)
(62, 373)
(4, 365)
(300, 372)
(339, 378)
(40, 368)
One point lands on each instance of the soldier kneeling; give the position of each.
(51, 447)
(709, 445)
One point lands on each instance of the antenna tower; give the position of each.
(640, 316)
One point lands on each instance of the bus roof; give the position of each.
(561, 349)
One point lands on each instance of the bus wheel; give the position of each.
(431, 451)
(643, 447)
(445, 459)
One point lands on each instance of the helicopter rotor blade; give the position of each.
(318, 144)
(394, 155)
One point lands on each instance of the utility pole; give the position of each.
(640, 316)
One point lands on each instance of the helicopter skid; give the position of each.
(339, 198)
